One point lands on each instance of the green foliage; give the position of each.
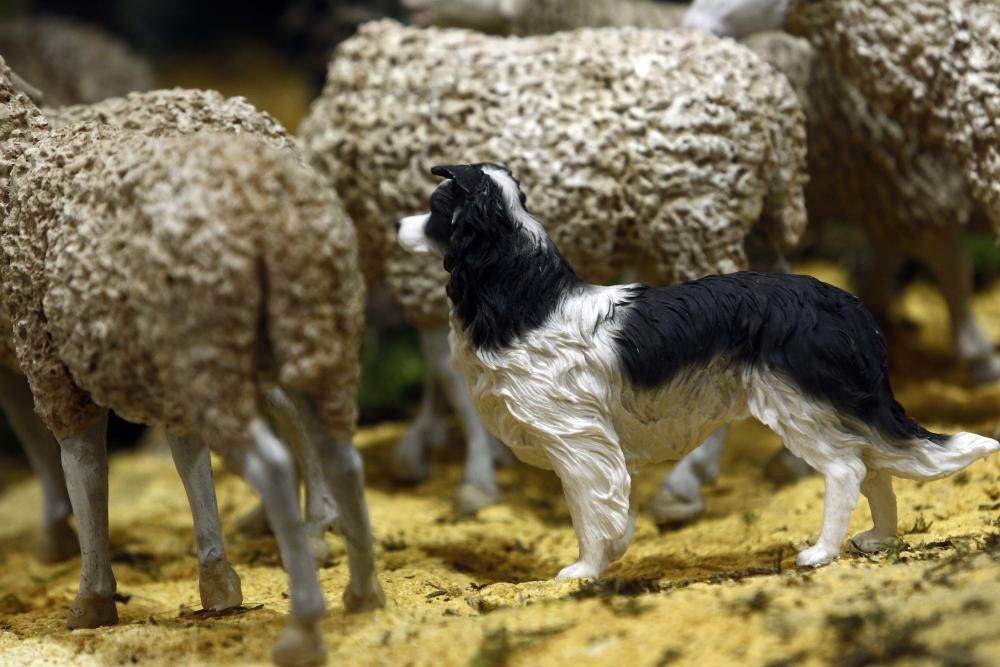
(391, 375)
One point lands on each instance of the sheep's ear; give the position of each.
(467, 176)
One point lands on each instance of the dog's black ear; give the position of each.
(467, 176)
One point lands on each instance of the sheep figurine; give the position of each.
(593, 382)
(540, 17)
(167, 277)
(71, 62)
(180, 111)
(662, 149)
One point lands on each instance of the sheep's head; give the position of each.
(487, 15)
(737, 18)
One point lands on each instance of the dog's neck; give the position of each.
(505, 283)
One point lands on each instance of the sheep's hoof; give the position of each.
(870, 542)
(785, 468)
(254, 523)
(300, 644)
(371, 598)
(984, 370)
(409, 463)
(219, 585)
(470, 498)
(57, 542)
(92, 611)
(669, 508)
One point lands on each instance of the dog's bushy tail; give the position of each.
(926, 458)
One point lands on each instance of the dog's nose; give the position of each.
(398, 225)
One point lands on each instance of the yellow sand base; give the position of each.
(476, 591)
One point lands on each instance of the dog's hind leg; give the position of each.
(877, 488)
(843, 476)
(679, 498)
(597, 486)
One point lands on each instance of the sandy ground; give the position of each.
(476, 591)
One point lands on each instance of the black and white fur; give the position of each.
(592, 381)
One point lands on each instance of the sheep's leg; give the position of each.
(346, 478)
(679, 498)
(85, 462)
(843, 486)
(411, 457)
(321, 508)
(951, 265)
(479, 485)
(57, 540)
(878, 283)
(597, 486)
(267, 466)
(877, 488)
(218, 583)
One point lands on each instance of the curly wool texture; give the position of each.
(657, 149)
(72, 63)
(177, 111)
(864, 166)
(157, 275)
(934, 66)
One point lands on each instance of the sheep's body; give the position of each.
(167, 272)
(72, 63)
(674, 145)
(217, 238)
(934, 67)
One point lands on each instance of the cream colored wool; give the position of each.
(661, 149)
(865, 167)
(157, 275)
(934, 66)
(176, 111)
(71, 62)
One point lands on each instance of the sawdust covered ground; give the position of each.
(476, 592)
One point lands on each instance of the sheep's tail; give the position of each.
(314, 297)
(934, 456)
(783, 218)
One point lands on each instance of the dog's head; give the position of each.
(484, 200)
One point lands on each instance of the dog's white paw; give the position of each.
(815, 556)
(870, 542)
(578, 570)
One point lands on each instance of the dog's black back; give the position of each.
(818, 336)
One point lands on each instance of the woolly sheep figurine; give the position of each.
(540, 17)
(165, 277)
(665, 149)
(593, 382)
(932, 66)
(71, 62)
(181, 111)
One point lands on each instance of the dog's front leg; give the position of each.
(843, 488)
(597, 486)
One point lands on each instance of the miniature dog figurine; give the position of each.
(592, 381)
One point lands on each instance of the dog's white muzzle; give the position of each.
(411, 233)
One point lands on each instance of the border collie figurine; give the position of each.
(592, 381)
